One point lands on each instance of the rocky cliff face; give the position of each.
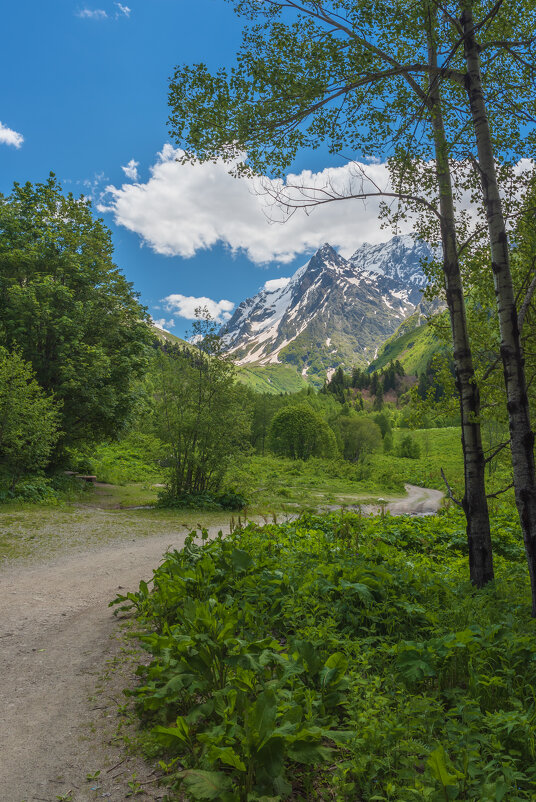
(332, 311)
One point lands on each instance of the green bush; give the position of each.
(299, 432)
(339, 657)
(135, 458)
(29, 421)
(32, 489)
(228, 500)
(408, 447)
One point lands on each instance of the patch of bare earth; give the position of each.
(63, 668)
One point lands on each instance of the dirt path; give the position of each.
(419, 501)
(63, 665)
(56, 643)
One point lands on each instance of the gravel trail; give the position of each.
(56, 641)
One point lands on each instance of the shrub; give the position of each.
(299, 432)
(29, 420)
(408, 447)
(360, 436)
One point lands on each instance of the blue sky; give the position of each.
(85, 95)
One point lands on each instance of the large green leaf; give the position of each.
(170, 735)
(226, 755)
(206, 784)
(262, 716)
(438, 767)
(241, 560)
(334, 669)
(270, 758)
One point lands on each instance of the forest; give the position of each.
(323, 649)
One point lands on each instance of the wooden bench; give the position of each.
(88, 478)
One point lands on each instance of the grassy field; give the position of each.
(275, 488)
(273, 379)
(31, 531)
(412, 348)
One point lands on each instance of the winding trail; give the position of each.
(419, 501)
(63, 665)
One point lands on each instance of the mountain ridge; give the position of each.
(332, 311)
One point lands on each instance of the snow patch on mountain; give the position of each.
(342, 307)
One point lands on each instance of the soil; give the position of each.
(65, 659)
(64, 662)
(419, 501)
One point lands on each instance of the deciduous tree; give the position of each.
(69, 310)
(28, 421)
(361, 77)
(200, 413)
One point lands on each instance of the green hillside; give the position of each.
(272, 378)
(413, 348)
(167, 336)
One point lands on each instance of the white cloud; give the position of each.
(92, 13)
(184, 208)
(10, 137)
(163, 324)
(131, 169)
(185, 306)
(125, 10)
(275, 284)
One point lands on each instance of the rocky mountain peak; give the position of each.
(333, 311)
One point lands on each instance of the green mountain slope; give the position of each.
(273, 379)
(167, 336)
(412, 345)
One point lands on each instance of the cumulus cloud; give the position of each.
(10, 137)
(185, 306)
(163, 324)
(92, 13)
(123, 10)
(275, 284)
(131, 169)
(184, 208)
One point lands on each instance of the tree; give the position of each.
(69, 310)
(409, 448)
(298, 432)
(265, 405)
(360, 436)
(200, 414)
(28, 420)
(307, 82)
(516, 34)
(383, 420)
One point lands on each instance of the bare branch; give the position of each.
(296, 196)
(496, 451)
(449, 490)
(498, 493)
(526, 303)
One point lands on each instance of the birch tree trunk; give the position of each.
(521, 434)
(474, 502)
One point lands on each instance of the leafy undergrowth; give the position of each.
(338, 657)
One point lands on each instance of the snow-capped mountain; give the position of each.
(401, 258)
(332, 311)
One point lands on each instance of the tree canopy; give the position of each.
(28, 420)
(298, 432)
(69, 310)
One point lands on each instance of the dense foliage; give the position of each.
(199, 414)
(297, 431)
(69, 310)
(28, 421)
(342, 658)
